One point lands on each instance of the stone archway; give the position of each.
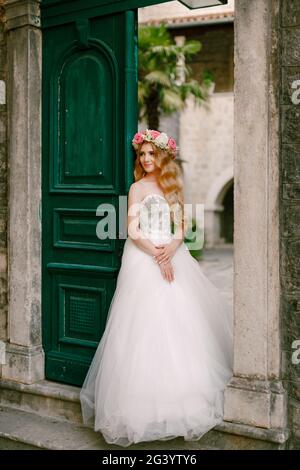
(213, 207)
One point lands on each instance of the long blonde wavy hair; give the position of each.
(169, 180)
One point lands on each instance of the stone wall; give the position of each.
(215, 55)
(3, 182)
(290, 207)
(206, 139)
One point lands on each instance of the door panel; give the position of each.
(89, 117)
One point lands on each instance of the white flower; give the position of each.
(148, 134)
(162, 140)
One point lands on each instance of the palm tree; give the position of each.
(161, 90)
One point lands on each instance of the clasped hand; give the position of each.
(163, 255)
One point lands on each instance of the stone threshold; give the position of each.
(46, 398)
(60, 402)
(45, 433)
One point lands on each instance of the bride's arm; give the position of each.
(169, 249)
(134, 232)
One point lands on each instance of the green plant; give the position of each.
(160, 89)
(193, 232)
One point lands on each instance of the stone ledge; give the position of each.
(45, 433)
(60, 402)
(19, 13)
(44, 387)
(45, 398)
(279, 436)
(23, 363)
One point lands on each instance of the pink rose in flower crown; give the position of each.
(138, 138)
(172, 144)
(155, 134)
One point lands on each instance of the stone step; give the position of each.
(19, 428)
(57, 406)
(7, 444)
(34, 431)
(46, 398)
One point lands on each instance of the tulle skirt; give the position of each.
(165, 356)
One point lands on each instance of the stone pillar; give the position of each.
(255, 396)
(24, 353)
(3, 190)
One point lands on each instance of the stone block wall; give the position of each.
(206, 139)
(290, 208)
(3, 181)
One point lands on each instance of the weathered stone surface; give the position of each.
(25, 358)
(294, 420)
(290, 262)
(257, 324)
(290, 46)
(294, 443)
(24, 364)
(291, 163)
(3, 297)
(290, 320)
(3, 183)
(49, 399)
(291, 220)
(294, 389)
(8, 444)
(46, 433)
(290, 124)
(290, 13)
(291, 191)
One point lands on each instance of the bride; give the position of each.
(166, 354)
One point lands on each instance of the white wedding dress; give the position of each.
(166, 354)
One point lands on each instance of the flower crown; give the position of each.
(160, 139)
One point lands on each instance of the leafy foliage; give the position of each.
(164, 82)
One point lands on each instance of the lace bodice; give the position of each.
(155, 219)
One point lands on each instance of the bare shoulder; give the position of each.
(135, 192)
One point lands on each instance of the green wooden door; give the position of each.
(89, 102)
(89, 116)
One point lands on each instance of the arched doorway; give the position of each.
(226, 229)
(218, 210)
